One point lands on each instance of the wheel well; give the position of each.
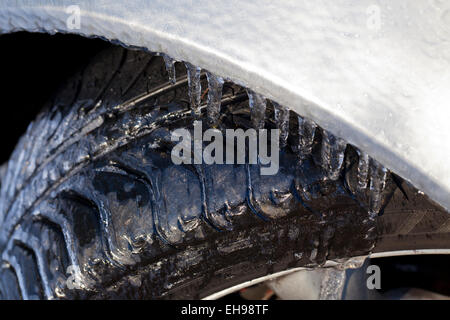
(33, 67)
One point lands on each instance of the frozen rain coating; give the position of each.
(170, 68)
(257, 105)
(195, 89)
(215, 85)
(306, 133)
(282, 122)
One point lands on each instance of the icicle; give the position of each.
(282, 122)
(215, 85)
(378, 175)
(170, 68)
(363, 170)
(195, 88)
(306, 133)
(257, 105)
(332, 154)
